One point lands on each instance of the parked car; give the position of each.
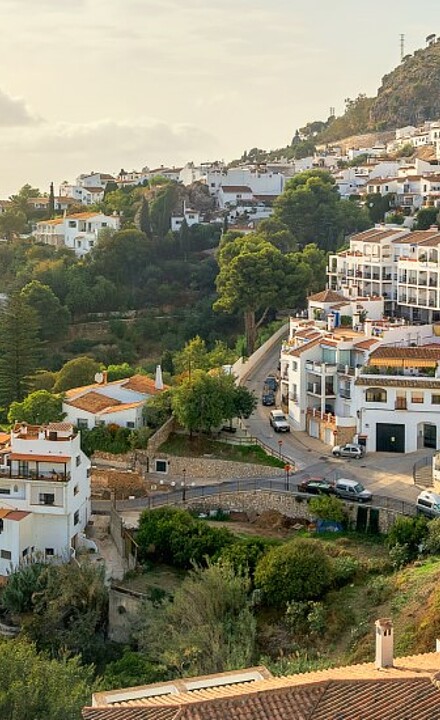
(352, 490)
(278, 421)
(316, 486)
(428, 503)
(349, 450)
(268, 396)
(271, 382)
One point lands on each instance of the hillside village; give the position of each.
(220, 435)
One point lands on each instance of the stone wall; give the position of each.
(205, 468)
(243, 368)
(287, 504)
(160, 436)
(123, 613)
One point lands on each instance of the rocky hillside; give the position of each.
(410, 94)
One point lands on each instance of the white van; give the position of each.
(352, 490)
(428, 503)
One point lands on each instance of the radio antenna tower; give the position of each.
(402, 46)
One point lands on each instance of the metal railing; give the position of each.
(287, 486)
(252, 440)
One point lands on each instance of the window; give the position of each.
(82, 423)
(104, 224)
(76, 490)
(294, 366)
(46, 498)
(78, 460)
(5, 491)
(130, 425)
(435, 399)
(72, 223)
(49, 552)
(377, 395)
(25, 552)
(161, 466)
(76, 518)
(417, 397)
(1, 526)
(5, 555)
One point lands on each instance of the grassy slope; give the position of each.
(201, 446)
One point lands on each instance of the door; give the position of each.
(429, 436)
(314, 429)
(390, 438)
(329, 436)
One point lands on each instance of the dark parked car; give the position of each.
(316, 486)
(268, 396)
(271, 383)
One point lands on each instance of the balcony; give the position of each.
(324, 417)
(320, 368)
(345, 369)
(400, 404)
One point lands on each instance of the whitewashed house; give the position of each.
(78, 232)
(44, 494)
(110, 403)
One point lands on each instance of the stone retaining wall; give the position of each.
(290, 506)
(208, 468)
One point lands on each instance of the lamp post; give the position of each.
(184, 485)
(287, 471)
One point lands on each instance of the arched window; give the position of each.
(377, 395)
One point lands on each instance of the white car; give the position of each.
(349, 450)
(278, 421)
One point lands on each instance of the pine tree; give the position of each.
(20, 349)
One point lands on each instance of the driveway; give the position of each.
(383, 473)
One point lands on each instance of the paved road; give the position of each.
(383, 473)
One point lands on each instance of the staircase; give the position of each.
(422, 472)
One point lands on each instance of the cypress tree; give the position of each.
(51, 201)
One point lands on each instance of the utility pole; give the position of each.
(402, 46)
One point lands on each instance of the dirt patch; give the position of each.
(269, 524)
(122, 484)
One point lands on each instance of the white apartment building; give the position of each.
(109, 403)
(44, 494)
(257, 179)
(78, 232)
(191, 216)
(396, 395)
(401, 266)
(322, 369)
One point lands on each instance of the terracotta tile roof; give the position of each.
(413, 382)
(121, 407)
(141, 384)
(366, 344)
(307, 346)
(60, 427)
(93, 402)
(17, 515)
(328, 296)
(41, 458)
(236, 188)
(407, 691)
(407, 353)
(4, 438)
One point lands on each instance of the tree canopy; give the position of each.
(38, 408)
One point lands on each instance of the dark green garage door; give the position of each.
(390, 438)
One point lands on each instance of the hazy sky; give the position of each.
(105, 84)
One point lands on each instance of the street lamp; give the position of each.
(287, 471)
(184, 485)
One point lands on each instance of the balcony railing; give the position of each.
(400, 404)
(318, 415)
(345, 369)
(29, 475)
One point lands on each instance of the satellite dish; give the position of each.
(99, 377)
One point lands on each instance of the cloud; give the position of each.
(14, 112)
(58, 151)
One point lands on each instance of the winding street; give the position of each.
(386, 474)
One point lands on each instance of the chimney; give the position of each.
(331, 322)
(104, 377)
(384, 643)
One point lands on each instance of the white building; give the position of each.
(78, 232)
(323, 367)
(257, 179)
(45, 494)
(109, 403)
(191, 216)
(397, 399)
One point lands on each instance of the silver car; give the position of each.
(349, 450)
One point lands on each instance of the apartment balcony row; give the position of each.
(421, 373)
(320, 368)
(26, 474)
(413, 280)
(318, 390)
(330, 419)
(418, 301)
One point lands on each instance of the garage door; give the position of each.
(329, 438)
(390, 438)
(314, 429)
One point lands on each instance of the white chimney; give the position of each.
(384, 643)
(331, 322)
(158, 383)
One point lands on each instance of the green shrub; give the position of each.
(299, 570)
(173, 536)
(345, 568)
(305, 618)
(22, 583)
(328, 508)
(407, 534)
(244, 555)
(432, 541)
